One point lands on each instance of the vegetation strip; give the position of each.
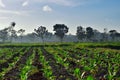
(60, 63)
(36, 72)
(58, 70)
(15, 71)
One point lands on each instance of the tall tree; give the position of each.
(80, 33)
(89, 33)
(41, 32)
(60, 30)
(113, 34)
(4, 34)
(12, 32)
(104, 35)
(21, 32)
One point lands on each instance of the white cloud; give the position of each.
(10, 12)
(25, 3)
(47, 8)
(2, 4)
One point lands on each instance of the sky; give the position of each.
(30, 14)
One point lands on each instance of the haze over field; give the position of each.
(29, 14)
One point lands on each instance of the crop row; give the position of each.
(59, 63)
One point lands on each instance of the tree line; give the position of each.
(60, 31)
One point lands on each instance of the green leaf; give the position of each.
(87, 68)
(77, 71)
(90, 78)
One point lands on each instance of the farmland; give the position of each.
(56, 61)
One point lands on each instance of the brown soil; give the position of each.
(38, 75)
(6, 64)
(13, 74)
(58, 70)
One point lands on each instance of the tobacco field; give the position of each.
(60, 62)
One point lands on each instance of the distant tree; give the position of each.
(41, 32)
(21, 32)
(96, 35)
(80, 33)
(89, 33)
(12, 32)
(32, 36)
(49, 35)
(13, 24)
(4, 34)
(117, 34)
(104, 35)
(60, 30)
(113, 34)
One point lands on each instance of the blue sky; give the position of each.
(29, 14)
